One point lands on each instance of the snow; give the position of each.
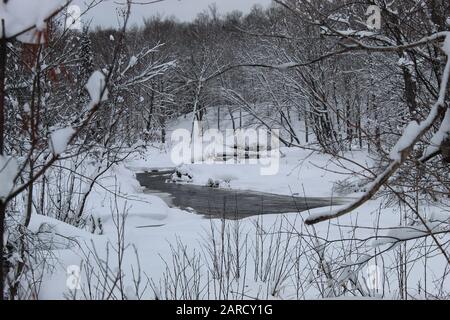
(20, 15)
(439, 136)
(409, 135)
(446, 46)
(413, 132)
(355, 33)
(8, 171)
(143, 212)
(152, 227)
(407, 233)
(286, 66)
(299, 172)
(340, 18)
(404, 62)
(132, 63)
(96, 87)
(59, 139)
(26, 108)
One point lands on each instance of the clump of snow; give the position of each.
(8, 171)
(218, 183)
(182, 174)
(404, 62)
(446, 46)
(133, 61)
(26, 108)
(439, 136)
(408, 233)
(440, 216)
(60, 138)
(41, 25)
(349, 32)
(21, 15)
(406, 140)
(96, 87)
(213, 183)
(286, 66)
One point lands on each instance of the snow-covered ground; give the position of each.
(279, 257)
(153, 228)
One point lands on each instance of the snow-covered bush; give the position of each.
(182, 174)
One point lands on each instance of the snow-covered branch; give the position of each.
(401, 151)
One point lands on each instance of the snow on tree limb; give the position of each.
(21, 18)
(401, 234)
(444, 130)
(446, 46)
(357, 44)
(400, 153)
(135, 59)
(438, 138)
(60, 138)
(96, 86)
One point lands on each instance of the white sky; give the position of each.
(185, 10)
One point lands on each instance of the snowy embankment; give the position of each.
(181, 255)
(116, 192)
(301, 173)
(151, 226)
(165, 239)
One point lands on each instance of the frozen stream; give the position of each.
(227, 203)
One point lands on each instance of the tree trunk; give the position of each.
(348, 124)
